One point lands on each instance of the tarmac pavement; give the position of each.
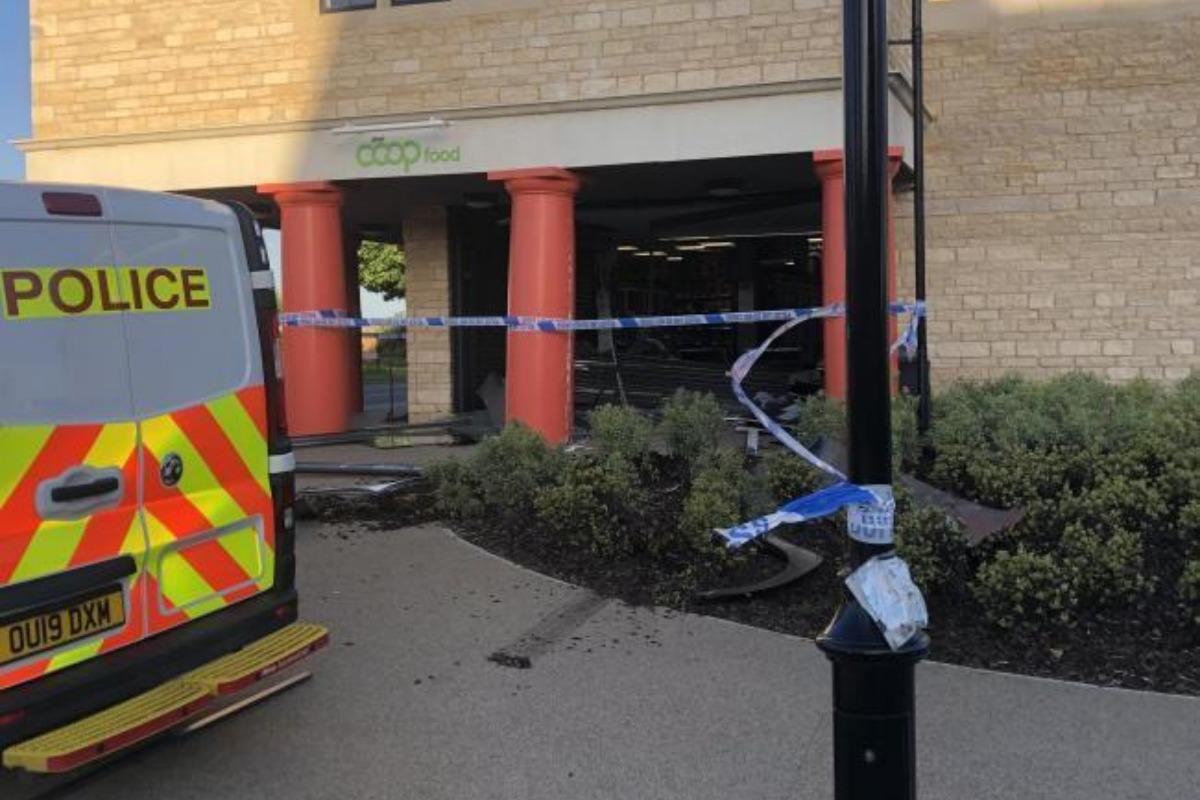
(617, 702)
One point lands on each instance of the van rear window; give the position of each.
(204, 345)
(52, 371)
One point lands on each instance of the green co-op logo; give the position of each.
(403, 153)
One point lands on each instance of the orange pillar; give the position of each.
(539, 389)
(351, 242)
(831, 171)
(317, 372)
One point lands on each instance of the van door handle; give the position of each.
(79, 492)
(82, 491)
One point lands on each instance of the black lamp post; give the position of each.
(873, 695)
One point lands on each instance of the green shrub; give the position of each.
(457, 495)
(1021, 588)
(788, 476)
(691, 425)
(1010, 441)
(715, 499)
(594, 506)
(819, 417)
(1189, 524)
(906, 439)
(1188, 589)
(500, 480)
(622, 432)
(1104, 570)
(934, 547)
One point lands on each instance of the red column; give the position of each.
(317, 373)
(541, 283)
(831, 171)
(351, 242)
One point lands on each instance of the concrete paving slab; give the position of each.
(618, 702)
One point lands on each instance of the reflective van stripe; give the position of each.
(67, 446)
(55, 542)
(20, 446)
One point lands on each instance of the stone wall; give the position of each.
(1064, 199)
(427, 280)
(126, 66)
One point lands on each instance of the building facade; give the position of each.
(633, 157)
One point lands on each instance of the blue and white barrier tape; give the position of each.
(339, 319)
(819, 504)
(831, 499)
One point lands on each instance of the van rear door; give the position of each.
(71, 543)
(197, 389)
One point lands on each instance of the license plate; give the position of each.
(52, 629)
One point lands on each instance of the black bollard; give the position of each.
(873, 697)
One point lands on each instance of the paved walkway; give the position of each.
(619, 703)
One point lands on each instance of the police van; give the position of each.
(147, 567)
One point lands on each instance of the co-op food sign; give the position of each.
(403, 154)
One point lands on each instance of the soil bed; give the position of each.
(1128, 648)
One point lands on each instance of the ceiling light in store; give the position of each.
(724, 187)
(674, 258)
(658, 254)
(718, 245)
(789, 263)
(480, 200)
(627, 248)
(642, 254)
(689, 247)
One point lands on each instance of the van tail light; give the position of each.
(276, 341)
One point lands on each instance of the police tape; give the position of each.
(340, 319)
(871, 505)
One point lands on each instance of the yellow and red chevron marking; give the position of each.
(31, 547)
(226, 482)
(225, 487)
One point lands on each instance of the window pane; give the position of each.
(69, 368)
(346, 5)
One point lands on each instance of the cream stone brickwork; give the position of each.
(1064, 196)
(427, 281)
(126, 66)
(1064, 199)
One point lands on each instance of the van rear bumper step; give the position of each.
(165, 707)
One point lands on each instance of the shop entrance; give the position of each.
(659, 239)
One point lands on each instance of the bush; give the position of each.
(594, 507)
(691, 425)
(1189, 524)
(933, 545)
(819, 417)
(906, 439)
(1104, 570)
(1010, 441)
(500, 480)
(1188, 589)
(457, 494)
(788, 476)
(715, 499)
(1021, 587)
(621, 432)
